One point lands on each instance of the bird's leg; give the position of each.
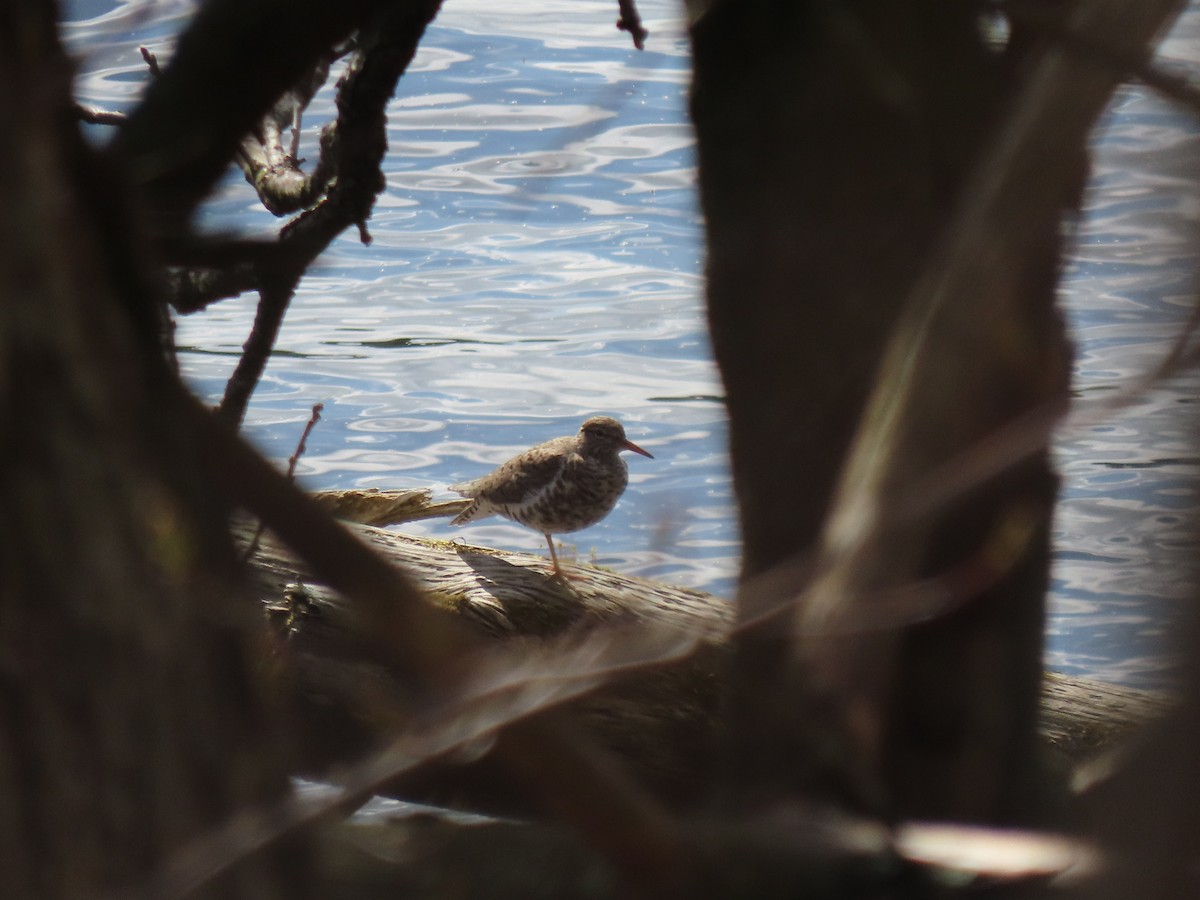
(553, 556)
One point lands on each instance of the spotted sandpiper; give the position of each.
(562, 485)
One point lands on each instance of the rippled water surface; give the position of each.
(1129, 500)
(536, 259)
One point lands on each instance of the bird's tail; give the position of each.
(467, 514)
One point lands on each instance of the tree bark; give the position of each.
(883, 202)
(130, 719)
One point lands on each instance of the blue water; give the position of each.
(537, 259)
(1129, 502)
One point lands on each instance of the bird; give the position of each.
(562, 485)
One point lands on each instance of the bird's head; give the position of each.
(606, 433)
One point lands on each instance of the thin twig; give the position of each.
(301, 445)
(317, 409)
(151, 61)
(631, 21)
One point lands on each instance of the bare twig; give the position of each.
(317, 409)
(151, 61)
(631, 21)
(202, 270)
(1178, 88)
(291, 472)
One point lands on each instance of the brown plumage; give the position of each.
(562, 485)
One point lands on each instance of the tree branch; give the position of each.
(273, 168)
(355, 146)
(95, 116)
(631, 21)
(234, 61)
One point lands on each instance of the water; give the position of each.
(536, 259)
(1128, 502)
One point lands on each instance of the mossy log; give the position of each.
(663, 720)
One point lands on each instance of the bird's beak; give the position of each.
(630, 445)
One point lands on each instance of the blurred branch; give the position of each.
(193, 289)
(201, 270)
(941, 506)
(1014, 384)
(1087, 44)
(794, 852)
(1048, 124)
(128, 726)
(910, 603)
(94, 116)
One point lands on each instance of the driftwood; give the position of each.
(662, 720)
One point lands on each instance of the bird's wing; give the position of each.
(522, 480)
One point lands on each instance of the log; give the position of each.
(1082, 717)
(663, 720)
